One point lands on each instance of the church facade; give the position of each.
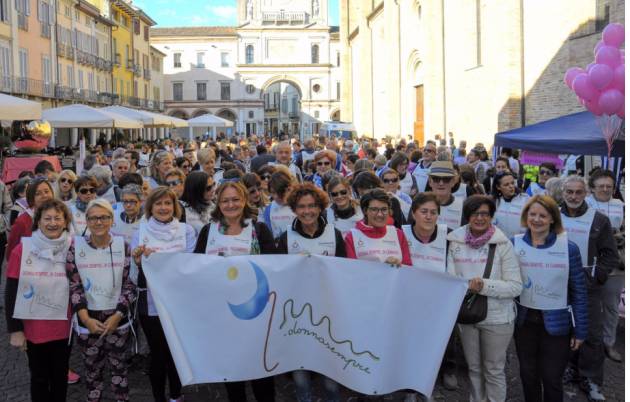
(277, 71)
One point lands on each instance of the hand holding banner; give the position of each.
(369, 327)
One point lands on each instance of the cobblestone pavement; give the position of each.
(14, 380)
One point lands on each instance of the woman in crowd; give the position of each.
(546, 171)
(324, 161)
(162, 232)
(510, 202)
(602, 185)
(38, 191)
(233, 230)
(85, 186)
(469, 178)
(544, 335)
(473, 246)
(426, 238)
(255, 197)
(174, 179)
(500, 165)
(161, 163)
(400, 163)
(365, 181)
(42, 331)
(344, 211)
(64, 187)
(197, 199)
(183, 164)
(18, 195)
(127, 220)
(278, 215)
(391, 184)
(265, 173)
(207, 161)
(372, 239)
(101, 294)
(105, 187)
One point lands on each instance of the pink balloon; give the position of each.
(610, 101)
(619, 78)
(570, 75)
(608, 55)
(613, 35)
(593, 107)
(598, 46)
(584, 88)
(600, 75)
(591, 65)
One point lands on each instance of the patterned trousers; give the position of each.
(112, 348)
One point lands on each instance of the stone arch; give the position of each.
(414, 67)
(199, 112)
(227, 114)
(416, 8)
(179, 113)
(335, 115)
(281, 78)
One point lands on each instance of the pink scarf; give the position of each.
(478, 242)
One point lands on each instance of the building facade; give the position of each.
(276, 72)
(417, 68)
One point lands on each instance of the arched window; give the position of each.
(249, 54)
(315, 54)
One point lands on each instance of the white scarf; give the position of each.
(162, 231)
(54, 250)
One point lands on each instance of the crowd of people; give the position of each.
(543, 255)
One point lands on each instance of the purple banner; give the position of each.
(536, 158)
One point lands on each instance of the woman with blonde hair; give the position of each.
(64, 186)
(161, 163)
(344, 211)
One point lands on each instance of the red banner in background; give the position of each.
(13, 166)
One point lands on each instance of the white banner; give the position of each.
(373, 328)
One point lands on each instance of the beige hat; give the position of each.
(442, 169)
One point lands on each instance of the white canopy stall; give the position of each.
(208, 121)
(13, 108)
(149, 119)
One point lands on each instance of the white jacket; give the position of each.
(504, 283)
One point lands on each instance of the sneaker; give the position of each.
(613, 354)
(449, 381)
(570, 375)
(592, 390)
(73, 377)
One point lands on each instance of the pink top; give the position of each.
(38, 331)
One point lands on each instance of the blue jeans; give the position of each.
(302, 379)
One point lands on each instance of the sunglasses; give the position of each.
(390, 181)
(337, 194)
(323, 163)
(65, 180)
(266, 177)
(440, 179)
(90, 190)
(210, 187)
(174, 183)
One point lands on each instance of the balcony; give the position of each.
(147, 74)
(26, 86)
(293, 114)
(45, 29)
(285, 17)
(22, 21)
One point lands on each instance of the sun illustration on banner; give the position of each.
(256, 304)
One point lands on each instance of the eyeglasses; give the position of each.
(480, 214)
(441, 179)
(103, 218)
(604, 187)
(130, 202)
(173, 183)
(390, 181)
(85, 191)
(431, 151)
(378, 211)
(339, 193)
(266, 177)
(323, 163)
(545, 172)
(65, 180)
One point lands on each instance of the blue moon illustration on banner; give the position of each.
(257, 303)
(88, 284)
(30, 293)
(528, 284)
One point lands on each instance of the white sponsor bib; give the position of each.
(323, 245)
(281, 217)
(613, 209)
(578, 229)
(422, 177)
(545, 273)
(381, 249)
(307, 156)
(228, 245)
(79, 221)
(43, 287)
(122, 228)
(451, 215)
(461, 191)
(343, 225)
(406, 184)
(101, 272)
(508, 215)
(430, 256)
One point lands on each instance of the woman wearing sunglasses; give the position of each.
(197, 199)
(101, 294)
(64, 186)
(400, 163)
(323, 163)
(391, 184)
(183, 164)
(546, 171)
(510, 202)
(255, 198)
(85, 186)
(265, 173)
(344, 211)
(232, 231)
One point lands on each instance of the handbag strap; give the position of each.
(491, 250)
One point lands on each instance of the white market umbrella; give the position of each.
(83, 116)
(149, 119)
(13, 108)
(209, 121)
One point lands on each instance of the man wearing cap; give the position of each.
(442, 180)
(421, 171)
